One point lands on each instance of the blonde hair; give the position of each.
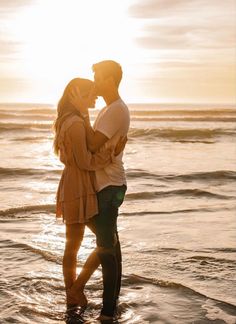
(65, 108)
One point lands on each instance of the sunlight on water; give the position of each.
(176, 225)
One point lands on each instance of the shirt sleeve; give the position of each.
(84, 159)
(111, 121)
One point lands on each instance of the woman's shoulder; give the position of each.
(72, 120)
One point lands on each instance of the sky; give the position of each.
(179, 51)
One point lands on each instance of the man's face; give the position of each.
(100, 83)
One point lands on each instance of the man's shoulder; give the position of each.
(116, 111)
(118, 107)
(118, 104)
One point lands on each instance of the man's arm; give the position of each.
(95, 139)
(84, 159)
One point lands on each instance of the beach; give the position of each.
(176, 225)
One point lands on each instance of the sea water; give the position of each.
(177, 223)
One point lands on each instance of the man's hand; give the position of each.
(120, 145)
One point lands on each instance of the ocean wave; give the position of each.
(47, 255)
(28, 111)
(177, 211)
(127, 280)
(33, 138)
(25, 116)
(17, 212)
(209, 176)
(211, 251)
(184, 112)
(24, 126)
(46, 208)
(177, 134)
(177, 192)
(203, 135)
(222, 175)
(13, 172)
(207, 259)
(23, 211)
(42, 111)
(149, 110)
(186, 119)
(219, 175)
(137, 279)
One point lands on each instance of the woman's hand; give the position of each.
(120, 145)
(80, 103)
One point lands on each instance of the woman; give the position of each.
(76, 196)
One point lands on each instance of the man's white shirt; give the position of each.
(113, 121)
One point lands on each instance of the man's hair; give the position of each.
(109, 68)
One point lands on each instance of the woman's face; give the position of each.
(82, 100)
(91, 98)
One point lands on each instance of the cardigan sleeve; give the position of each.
(84, 159)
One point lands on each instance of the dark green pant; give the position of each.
(104, 225)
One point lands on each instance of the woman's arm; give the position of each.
(95, 139)
(85, 160)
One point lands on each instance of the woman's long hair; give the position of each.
(65, 108)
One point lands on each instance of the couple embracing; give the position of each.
(93, 183)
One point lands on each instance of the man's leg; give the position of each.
(108, 246)
(119, 267)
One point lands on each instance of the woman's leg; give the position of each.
(74, 236)
(91, 264)
(88, 269)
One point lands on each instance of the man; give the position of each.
(112, 124)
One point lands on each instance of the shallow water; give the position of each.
(177, 224)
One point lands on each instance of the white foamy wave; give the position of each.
(25, 126)
(134, 279)
(181, 192)
(223, 175)
(17, 172)
(181, 134)
(47, 208)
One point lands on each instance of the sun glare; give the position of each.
(60, 39)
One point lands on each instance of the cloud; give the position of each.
(8, 8)
(180, 24)
(181, 37)
(8, 49)
(8, 5)
(153, 9)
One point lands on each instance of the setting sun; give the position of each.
(61, 39)
(169, 53)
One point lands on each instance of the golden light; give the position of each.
(63, 38)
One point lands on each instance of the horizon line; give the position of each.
(131, 103)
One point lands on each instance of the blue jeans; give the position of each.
(104, 225)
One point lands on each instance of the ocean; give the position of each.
(177, 223)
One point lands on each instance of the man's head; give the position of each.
(107, 76)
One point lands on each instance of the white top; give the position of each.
(113, 121)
